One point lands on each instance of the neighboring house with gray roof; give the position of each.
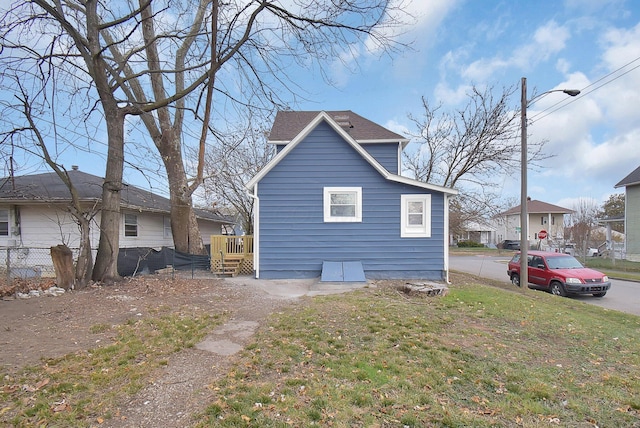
(34, 213)
(540, 216)
(631, 184)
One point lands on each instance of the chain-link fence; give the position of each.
(28, 268)
(26, 263)
(23, 269)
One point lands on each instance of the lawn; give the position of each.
(481, 356)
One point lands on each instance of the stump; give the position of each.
(63, 264)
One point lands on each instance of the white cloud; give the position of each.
(411, 22)
(547, 40)
(451, 96)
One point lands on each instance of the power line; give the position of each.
(566, 101)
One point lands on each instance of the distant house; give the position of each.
(631, 184)
(541, 216)
(480, 231)
(333, 201)
(34, 213)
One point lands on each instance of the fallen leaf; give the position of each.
(61, 407)
(42, 383)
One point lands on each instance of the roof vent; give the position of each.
(74, 167)
(343, 120)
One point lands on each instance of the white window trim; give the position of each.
(8, 221)
(421, 231)
(166, 227)
(328, 191)
(137, 225)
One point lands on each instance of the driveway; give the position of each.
(623, 296)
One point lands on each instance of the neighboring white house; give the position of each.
(34, 214)
(481, 231)
(541, 216)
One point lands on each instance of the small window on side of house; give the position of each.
(4, 222)
(130, 225)
(166, 223)
(415, 212)
(342, 204)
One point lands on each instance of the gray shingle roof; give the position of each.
(288, 124)
(49, 188)
(631, 179)
(539, 207)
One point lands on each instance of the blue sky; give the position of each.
(591, 45)
(595, 139)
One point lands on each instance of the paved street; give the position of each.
(623, 296)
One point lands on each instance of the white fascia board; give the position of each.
(356, 146)
(302, 135)
(402, 141)
(416, 183)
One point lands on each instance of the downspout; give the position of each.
(256, 229)
(446, 238)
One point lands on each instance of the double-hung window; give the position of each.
(130, 225)
(166, 223)
(342, 204)
(415, 212)
(4, 222)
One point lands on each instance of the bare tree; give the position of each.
(468, 148)
(159, 59)
(232, 163)
(614, 208)
(29, 109)
(581, 223)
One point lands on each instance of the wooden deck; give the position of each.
(232, 255)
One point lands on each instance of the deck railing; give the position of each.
(231, 244)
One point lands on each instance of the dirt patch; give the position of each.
(48, 326)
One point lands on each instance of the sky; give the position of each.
(590, 45)
(593, 140)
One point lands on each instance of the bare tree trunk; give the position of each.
(184, 225)
(63, 264)
(106, 267)
(84, 264)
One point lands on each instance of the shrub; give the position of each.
(469, 244)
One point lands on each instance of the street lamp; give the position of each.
(524, 215)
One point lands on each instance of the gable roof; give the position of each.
(49, 188)
(538, 207)
(288, 124)
(630, 180)
(326, 117)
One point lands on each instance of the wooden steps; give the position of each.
(230, 265)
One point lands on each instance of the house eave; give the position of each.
(404, 142)
(323, 116)
(416, 183)
(631, 183)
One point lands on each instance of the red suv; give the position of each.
(560, 274)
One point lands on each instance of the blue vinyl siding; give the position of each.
(295, 240)
(385, 153)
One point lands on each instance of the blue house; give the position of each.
(332, 202)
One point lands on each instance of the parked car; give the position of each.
(559, 274)
(509, 244)
(570, 249)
